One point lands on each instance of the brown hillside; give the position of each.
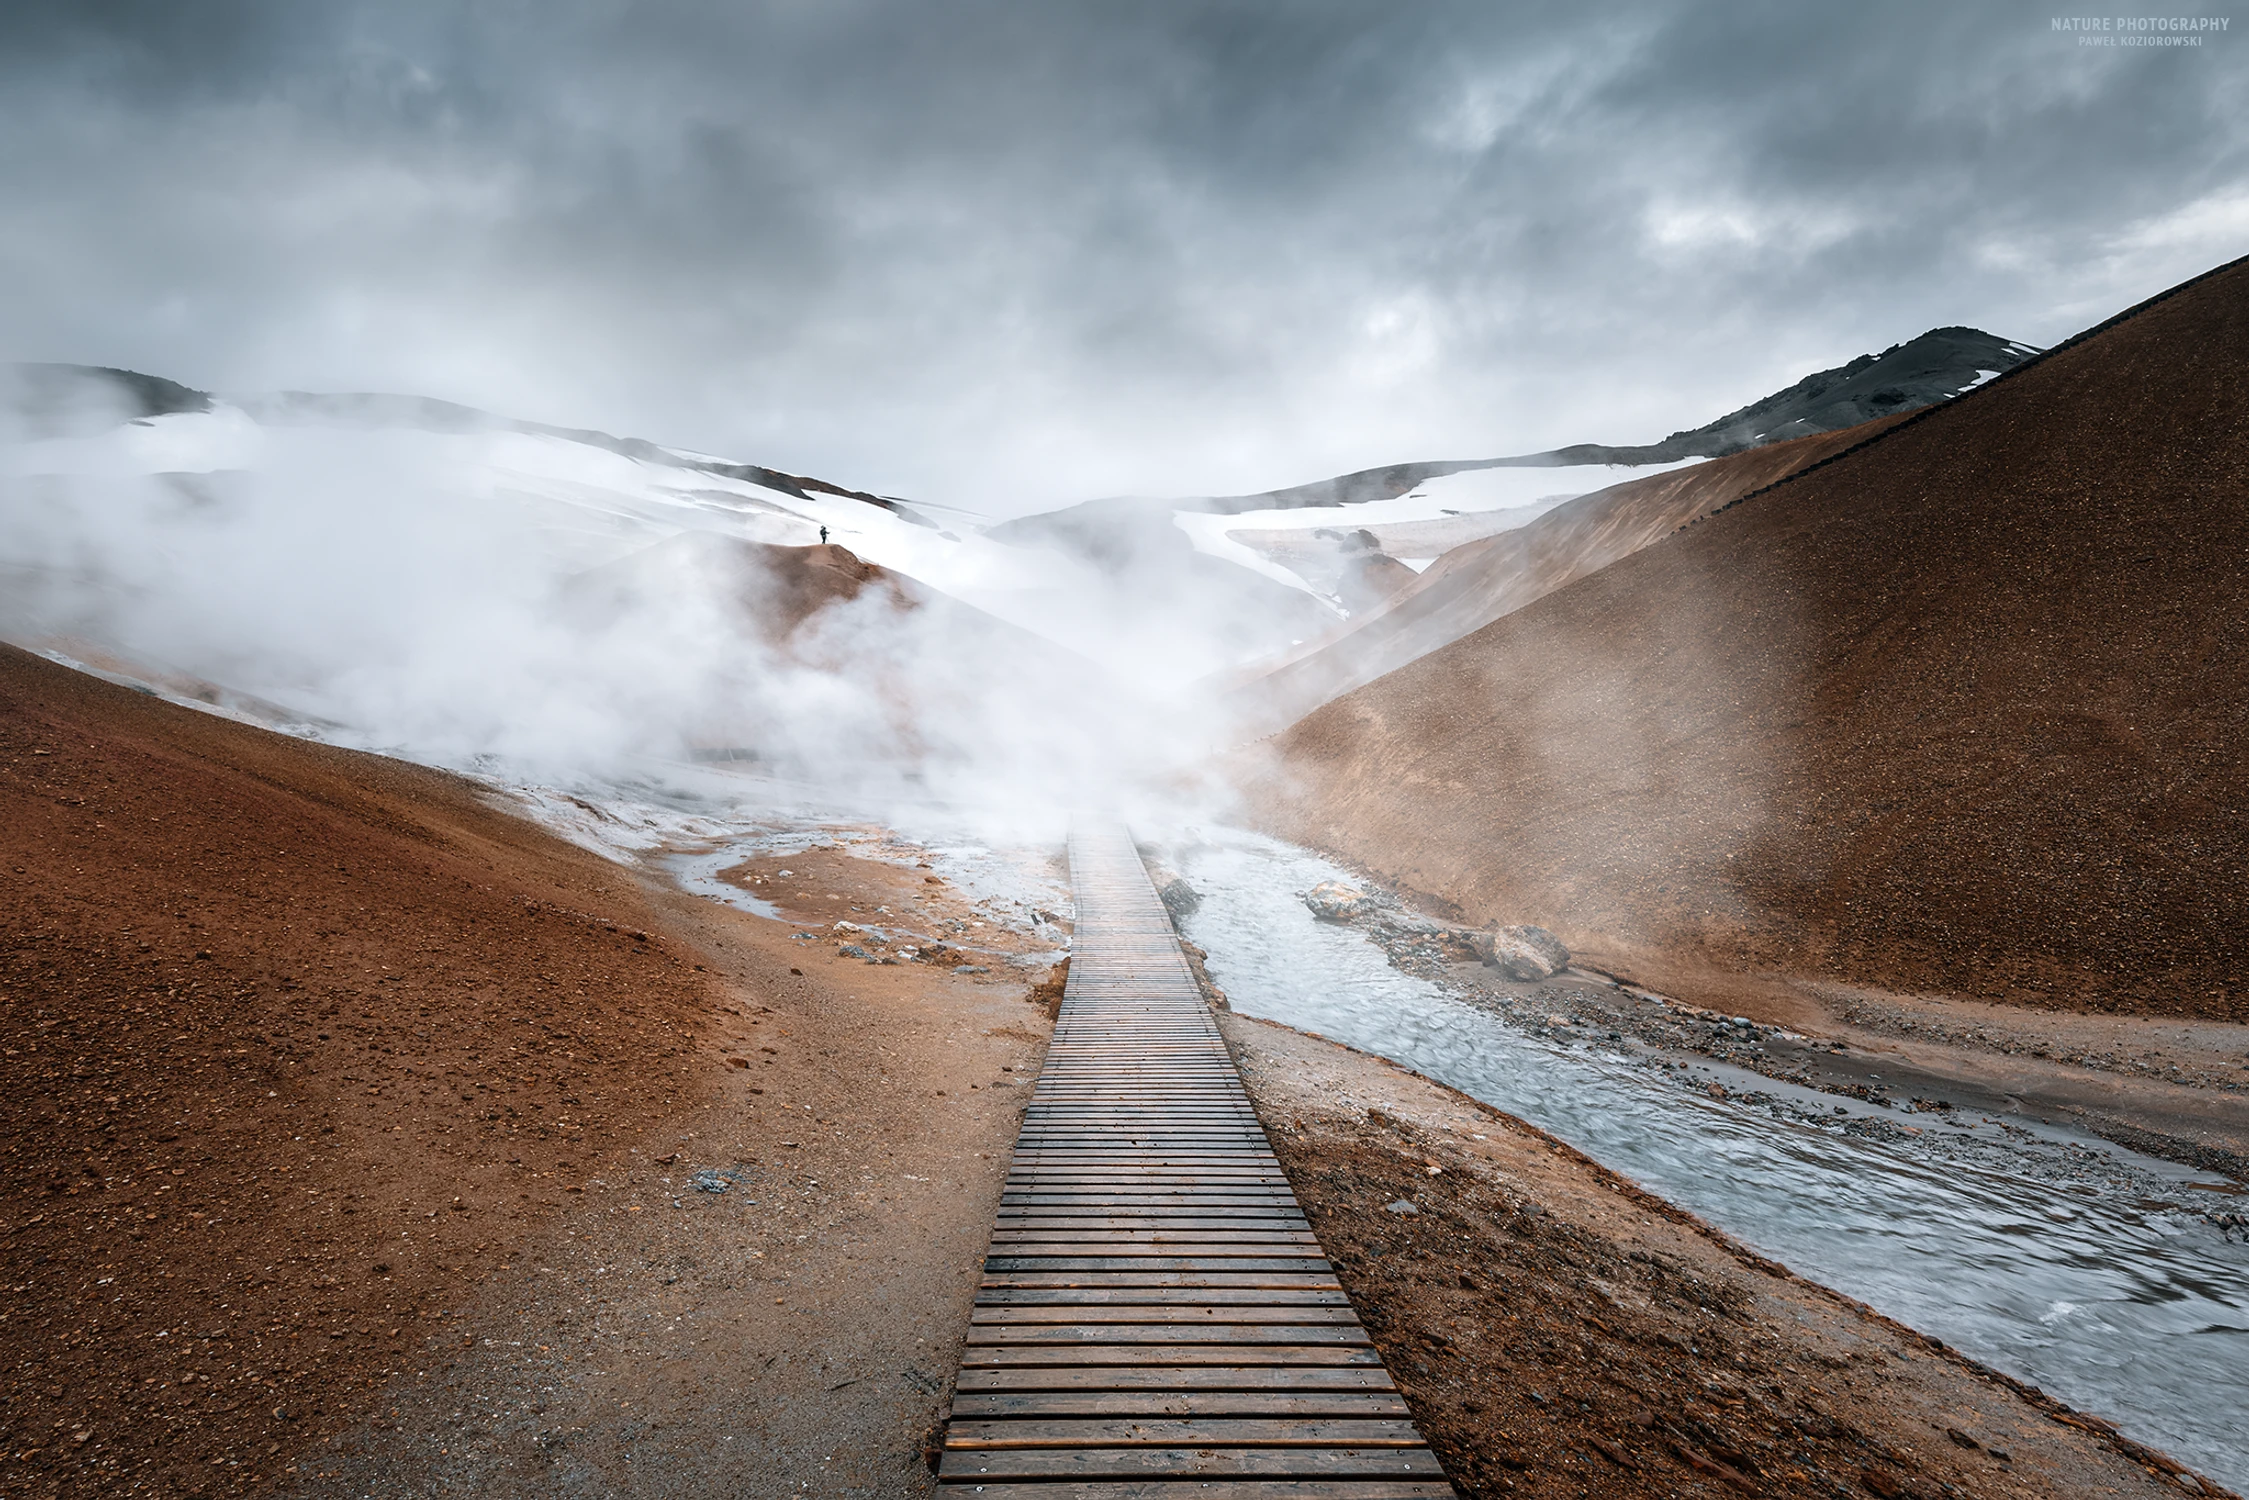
(919, 651)
(771, 590)
(776, 593)
(297, 1042)
(1965, 710)
(1473, 585)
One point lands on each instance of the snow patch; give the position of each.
(1209, 533)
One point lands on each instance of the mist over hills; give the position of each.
(1471, 585)
(1961, 711)
(63, 400)
(298, 547)
(418, 576)
(1278, 535)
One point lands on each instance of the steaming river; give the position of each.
(2139, 1315)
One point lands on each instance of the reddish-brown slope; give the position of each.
(1473, 585)
(770, 590)
(298, 1043)
(1966, 710)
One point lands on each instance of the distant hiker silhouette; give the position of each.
(823, 536)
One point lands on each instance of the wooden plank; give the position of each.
(1145, 1157)
(1127, 1203)
(1154, 1280)
(1071, 1217)
(1011, 1265)
(1209, 1168)
(1231, 1314)
(1293, 1431)
(1003, 1356)
(1278, 1222)
(1273, 1270)
(1302, 1379)
(1213, 1199)
(1185, 1242)
(1181, 1332)
(1145, 1185)
(1231, 1489)
(1166, 1220)
(1157, 1242)
(1189, 1463)
(1166, 1296)
(1180, 1404)
(1279, 1239)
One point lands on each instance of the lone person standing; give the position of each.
(823, 536)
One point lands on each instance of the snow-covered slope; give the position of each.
(1476, 583)
(589, 497)
(1319, 539)
(1443, 512)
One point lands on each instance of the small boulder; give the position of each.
(1525, 954)
(1333, 901)
(1179, 898)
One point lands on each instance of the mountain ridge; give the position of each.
(1909, 376)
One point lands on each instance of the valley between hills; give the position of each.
(387, 1112)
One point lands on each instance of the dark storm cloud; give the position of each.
(999, 253)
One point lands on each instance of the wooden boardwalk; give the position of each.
(1156, 1320)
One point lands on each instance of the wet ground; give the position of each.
(1558, 1332)
(2116, 1280)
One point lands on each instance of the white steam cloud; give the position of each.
(531, 604)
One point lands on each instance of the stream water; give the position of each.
(2138, 1313)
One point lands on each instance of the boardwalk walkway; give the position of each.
(1156, 1320)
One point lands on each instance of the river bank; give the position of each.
(2100, 1274)
(2119, 1079)
(2163, 1086)
(1560, 1332)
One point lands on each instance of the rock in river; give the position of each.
(1525, 954)
(1333, 901)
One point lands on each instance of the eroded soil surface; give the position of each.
(770, 1298)
(362, 1138)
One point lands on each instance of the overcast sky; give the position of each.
(1014, 255)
